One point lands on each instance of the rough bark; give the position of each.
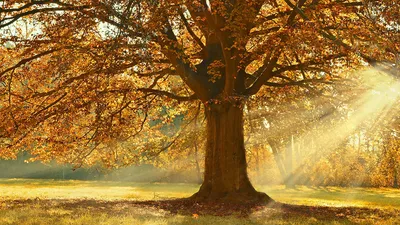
(225, 175)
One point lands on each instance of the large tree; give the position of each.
(79, 80)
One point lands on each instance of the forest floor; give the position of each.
(24, 201)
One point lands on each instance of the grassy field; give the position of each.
(99, 202)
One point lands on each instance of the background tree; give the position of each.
(85, 76)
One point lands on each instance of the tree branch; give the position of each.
(264, 76)
(190, 30)
(298, 83)
(308, 63)
(24, 61)
(12, 19)
(189, 76)
(168, 94)
(330, 36)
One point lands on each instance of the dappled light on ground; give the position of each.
(337, 196)
(95, 202)
(16, 189)
(101, 190)
(181, 211)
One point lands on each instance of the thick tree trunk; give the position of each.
(225, 175)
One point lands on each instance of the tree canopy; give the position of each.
(81, 81)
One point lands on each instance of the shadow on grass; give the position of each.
(186, 207)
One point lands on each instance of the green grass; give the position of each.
(24, 202)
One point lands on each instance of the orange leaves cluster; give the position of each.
(84, 80)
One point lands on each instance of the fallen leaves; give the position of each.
(196, 209)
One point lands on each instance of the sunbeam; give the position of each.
(326, 130)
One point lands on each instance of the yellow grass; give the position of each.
(29, 202)
(102, 190)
